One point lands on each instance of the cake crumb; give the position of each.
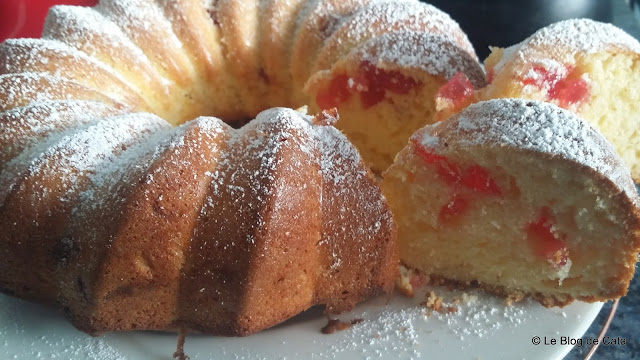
(326, 117)
(409, 280)
(469, 299)
(434, 302)
(334, 325)
(179, 354)
(513, 298)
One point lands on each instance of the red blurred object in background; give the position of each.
(25, 18)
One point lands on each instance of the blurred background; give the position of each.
(507, 22)
(488, 22)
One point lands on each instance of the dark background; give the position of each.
(507, 22)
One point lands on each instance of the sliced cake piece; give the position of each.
(384, 89)
(384, 17)
(588, 67)
(317, 21)
(523, 198)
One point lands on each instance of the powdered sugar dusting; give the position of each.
(283, 15)
(139, 18)
(26, 88)
(106, 180)
(337, 154)
(434, 54)
(584, 35)
(354, 209)
(22, 340)
(563, 40)
(383, 334)
(398, 331)
(382, 17)
(541, 127)
(316, 22)
(25, 52)
(255, 173)
(507, 54)
(24, 126)
(99, 206)
(264, 146)
(66, 161)
(90, 32)
(59, 60)
(429, 141)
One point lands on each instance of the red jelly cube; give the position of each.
(545, 241)
(457, 90)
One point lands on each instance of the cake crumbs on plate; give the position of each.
(434, 302)
(409, 279)
(334, 325)
(179, 353)
(513, 298)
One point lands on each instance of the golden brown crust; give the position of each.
(17, 130)
(120, 262)
(277, 36)
(376, 19)
(242, 49)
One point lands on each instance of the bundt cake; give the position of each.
(129, 223)
(521, 197)
(118, 208)
(200, 53)
(588, 67)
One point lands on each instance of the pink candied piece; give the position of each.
(546, 242)
(456, 91)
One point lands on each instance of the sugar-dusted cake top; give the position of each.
(561, 41)
(532, 125)
(583, 35)
(401, 15)
(435, 54)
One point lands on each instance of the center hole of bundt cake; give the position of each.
(238, 123)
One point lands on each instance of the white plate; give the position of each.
(480, 329)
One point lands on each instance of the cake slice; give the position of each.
(585, 66)
(521, 197)
(384, 89)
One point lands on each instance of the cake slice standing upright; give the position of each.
(521, 197)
